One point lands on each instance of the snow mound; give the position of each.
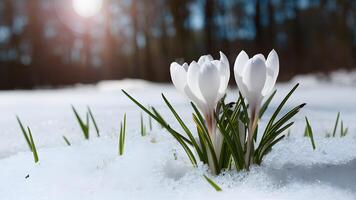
(149, 170)
(155, 166)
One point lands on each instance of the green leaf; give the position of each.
(341, 128)
(185, 128)
(205, 135)
(345, 132)
(24, 133)
(274, 129)
(213, 184)
(267, 149)
(336, 124)
(33, 146)
(66, 140)
(87, 125)
(180, 139)
(310, 133)
(165, 125)
(306, 132)
(143, 128)
(122, 136)
(270, 131)
(83, 126)
(279, 108)
(266, 104)
(233, 139)
(94, 122)
(264, 147)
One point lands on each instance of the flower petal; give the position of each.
(272, 64)
(261, 56)
(240, 63)
(209, 84)
(193, 81)
(178, 76)
(224, 70)
(205, 58)
(239, 66)
(185, 66)
(254, 78)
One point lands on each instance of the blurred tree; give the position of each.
(180, 13)
(43, 42)
(134, 72)
(209, 24)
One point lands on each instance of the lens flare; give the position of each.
(87, 8)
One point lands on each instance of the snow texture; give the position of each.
(155, 167)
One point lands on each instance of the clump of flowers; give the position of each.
(226, 133)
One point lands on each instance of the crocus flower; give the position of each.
(205, 83)
(255, 78)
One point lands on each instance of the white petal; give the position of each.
(178, 76)
(272, 64)
(242, 86)
(224, 70)
(185, 66)
(254, 78)
(223, 58)
(192, 97)
(205, 58)
(239, 66)
(193, 81)
(255, 74)
(261, 56)
(210, 58)
(240, 63)
(209, 84)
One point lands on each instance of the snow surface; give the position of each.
(149, 170)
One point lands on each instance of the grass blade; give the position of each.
(24, 133)
(205, 134)
(181, 139)
(33, 146)
(150, 122)
(122, 136)
(156, 116)
(336, 124)
(66, 140)
(185, 128)
(310, 133)
(143, 127)
(279, 108)
(94, 122)
(84, 127)
(266, 104)
(213, 184)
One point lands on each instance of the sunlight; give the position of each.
(87, 8)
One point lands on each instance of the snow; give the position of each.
(155, 167)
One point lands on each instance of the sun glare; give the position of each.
(87, 8)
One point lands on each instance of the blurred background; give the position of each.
(54, 43)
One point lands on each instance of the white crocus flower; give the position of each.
(256, 78)
(205, 83)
